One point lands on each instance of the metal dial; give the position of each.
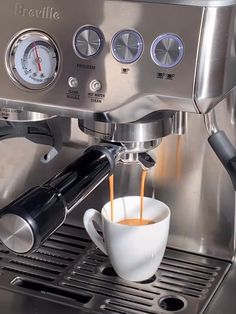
(167, 50)
(88, 42)
(127, 46)
(32, 60)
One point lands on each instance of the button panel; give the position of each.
(167, 50)
(88, 42)
(127, 46)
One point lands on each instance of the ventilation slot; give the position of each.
(49, 290)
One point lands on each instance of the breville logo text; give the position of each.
(41, 13)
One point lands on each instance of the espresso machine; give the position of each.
(91, 88)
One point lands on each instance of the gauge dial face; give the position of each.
(33, 60)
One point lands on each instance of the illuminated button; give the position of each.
(95, 86)
(167, 50)
(127, 46)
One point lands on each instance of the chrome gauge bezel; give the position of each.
(100, 36)
(11, 53)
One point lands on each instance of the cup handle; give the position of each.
(90, 216)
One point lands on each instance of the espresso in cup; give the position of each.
(136, 222)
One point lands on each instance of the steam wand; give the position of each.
(221, 145)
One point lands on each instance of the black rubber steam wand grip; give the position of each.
(226, 152)
(29, 220)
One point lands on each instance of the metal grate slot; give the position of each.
(36, 267)
(204, 266)
(62, 248)
(4, 251)
(56, 239)
(110, 292)
(197, 282)
(49, 290)
(54, 253)
(126, 308)
(39, 258)
(30, 274)
(193, 274)
(180, 265)
(134, 287)
(72, 237)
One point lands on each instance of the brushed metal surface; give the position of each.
(217, 57)
(151, 128)
(202, 3)
(12, 115)
(16, 233)
(128, 92)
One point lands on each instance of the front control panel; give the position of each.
(120, 59)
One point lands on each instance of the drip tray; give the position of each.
(69, 269)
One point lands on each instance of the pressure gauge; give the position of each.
(33, 60)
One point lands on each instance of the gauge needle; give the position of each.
(37, 58)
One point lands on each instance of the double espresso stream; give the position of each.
(139, 221)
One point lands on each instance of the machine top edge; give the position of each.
(200, 3)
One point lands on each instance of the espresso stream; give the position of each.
(132, 221)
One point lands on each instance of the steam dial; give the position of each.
(167, 50)
(88, 42)
(127, 46)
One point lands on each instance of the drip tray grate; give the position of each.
(70, 270)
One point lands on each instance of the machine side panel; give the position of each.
(217, 57)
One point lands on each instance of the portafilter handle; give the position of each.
(29, 220)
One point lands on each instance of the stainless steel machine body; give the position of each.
(195, 78)
(128, 71)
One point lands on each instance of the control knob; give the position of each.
(88, 42)
(127, 46)
(167, 50)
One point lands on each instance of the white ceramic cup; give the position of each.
(135, 252)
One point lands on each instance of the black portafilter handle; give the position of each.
(29, 220)
(226, 152)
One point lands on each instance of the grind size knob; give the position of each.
(127, 46)
(167, 50)
(88, 42)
